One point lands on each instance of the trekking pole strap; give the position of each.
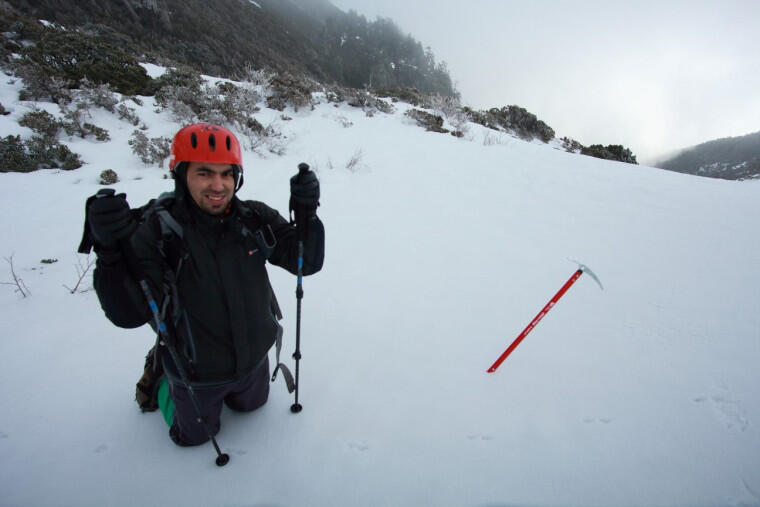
(286, 374)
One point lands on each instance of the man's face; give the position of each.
(211, 185)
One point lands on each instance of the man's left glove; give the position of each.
(304, 193)
(110, 220)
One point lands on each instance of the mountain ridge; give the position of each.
(730, 158)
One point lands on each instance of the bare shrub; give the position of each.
(492, 137)
(21, 287)
(355, 162)
(82, 270)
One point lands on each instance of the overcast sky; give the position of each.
(654, 76)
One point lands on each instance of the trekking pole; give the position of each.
(581, 269)
(131, 259)
(301, 231)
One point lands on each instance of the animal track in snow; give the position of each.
(484, 438)
(727, 408)
(361, 445)
(603, 420)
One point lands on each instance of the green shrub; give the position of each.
(109, 177)
(289, 90)
(65, 59)
(610, 152)
(431, 122)
(47, 153)
(41, 122)
(14, 157)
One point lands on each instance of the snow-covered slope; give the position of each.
(439, 252)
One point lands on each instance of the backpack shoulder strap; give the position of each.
(253, 226)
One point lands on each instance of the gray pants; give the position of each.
(244, 395)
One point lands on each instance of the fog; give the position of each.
(654, 76)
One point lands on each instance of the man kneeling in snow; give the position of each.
(202, 252)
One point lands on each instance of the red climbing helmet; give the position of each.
(206, 142)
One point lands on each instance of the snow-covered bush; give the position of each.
(184, 94)
(451, 109)
(431, 122)
(409, 95)
(363, 99)
(261, 138)
(128, 114)
(151, 151)
(76, 113)
(512, 118)
(230, 105)
(98, 95)
(180, 91)
(257, 77)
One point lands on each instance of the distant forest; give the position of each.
(730, 158)
(222, 37)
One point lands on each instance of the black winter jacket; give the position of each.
(228, 313)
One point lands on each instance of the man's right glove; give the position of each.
(110, 219)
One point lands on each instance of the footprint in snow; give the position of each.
(603, 420)
(362, 445)
(484, 438)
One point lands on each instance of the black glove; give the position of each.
(110, 219)
(304, 193)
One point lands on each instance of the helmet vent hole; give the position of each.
(193, 140)
(229, 143)
(212, 142)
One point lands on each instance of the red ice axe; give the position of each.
(581, 269)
